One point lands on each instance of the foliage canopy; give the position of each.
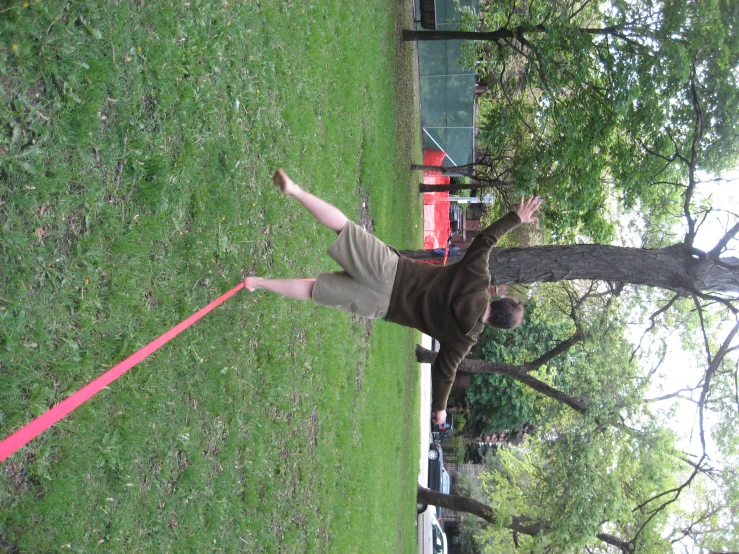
(594, 104)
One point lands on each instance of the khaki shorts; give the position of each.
(366, 284)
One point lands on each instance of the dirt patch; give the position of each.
(8, 547)
(18, 479)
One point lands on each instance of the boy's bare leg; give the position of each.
(302, 289)
(328, 215)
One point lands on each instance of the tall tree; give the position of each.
(585, 485)
(625, 106)
(602, 100)
(679, 267)
(577, 486)
(699, 317)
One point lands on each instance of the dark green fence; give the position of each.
(447, 90)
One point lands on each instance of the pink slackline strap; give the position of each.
(24, 435)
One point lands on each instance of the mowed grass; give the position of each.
(136, 144)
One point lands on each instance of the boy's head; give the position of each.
(505, 313)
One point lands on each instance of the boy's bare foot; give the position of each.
(252, 283)
(283, 182)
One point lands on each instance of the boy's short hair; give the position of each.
(505, 313)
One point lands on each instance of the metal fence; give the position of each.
(447, 90)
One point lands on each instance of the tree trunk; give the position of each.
(493, 36)
(423, 187)
(429, 255)
(469, 505)
(519, 373)
(676, 267)
(457, 171)
(456, 503)
(519, 33)
(518, 524)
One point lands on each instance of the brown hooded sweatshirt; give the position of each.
(448, 303)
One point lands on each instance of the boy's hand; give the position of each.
(525, 211)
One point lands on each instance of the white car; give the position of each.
(438, 538)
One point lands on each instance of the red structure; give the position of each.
(436, 227)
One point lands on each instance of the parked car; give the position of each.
(436, 463)
(445, 487)
(438, 538)
(438, 478)
(455, 219)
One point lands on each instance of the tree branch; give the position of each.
(676, 394)
(715, 252)
(563, 346)
(423, 355)
(653, 320)
(627, 547)
(699, 309)
(692, 166)
(675, 492)
(717, 359)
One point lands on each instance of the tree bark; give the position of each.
(469, 505)
(519, 373)
(458, 171)
(493, 36)
(624, 546)
(524, 526)
(677, 268)
(563, 346)
(519, 33)
(519, 524)
(456, 503)
(423, 187)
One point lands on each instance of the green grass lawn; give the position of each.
(136, 144)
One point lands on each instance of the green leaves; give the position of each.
(500, 403)
(576, 480)
(593, 105)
